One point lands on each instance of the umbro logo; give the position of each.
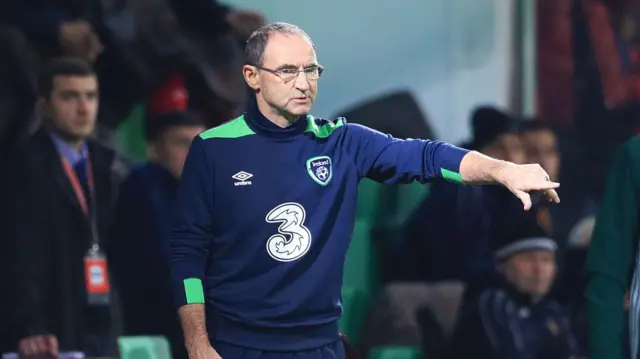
(243, 178)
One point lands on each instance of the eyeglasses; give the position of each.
(289, 74)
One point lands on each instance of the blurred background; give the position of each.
(549, 81)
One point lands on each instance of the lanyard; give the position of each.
(84, 203)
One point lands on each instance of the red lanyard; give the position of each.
(75, 183)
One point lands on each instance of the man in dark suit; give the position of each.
(63, 207)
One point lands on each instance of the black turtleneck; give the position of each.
(263, 126)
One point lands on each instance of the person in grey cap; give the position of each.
(517, 318)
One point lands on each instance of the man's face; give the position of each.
(507, 147)
(541, 147)
(293, 98)
(532, 272)
(172, 147)
(73, 106)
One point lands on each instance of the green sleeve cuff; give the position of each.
(451, 176)
(193, 291)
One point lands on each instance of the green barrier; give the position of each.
(354, 305)
(369, 199)
(393, 352)
(361, 265)
(410, 196)
(131, 136)
(144, 347)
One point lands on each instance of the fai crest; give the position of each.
(320, 169)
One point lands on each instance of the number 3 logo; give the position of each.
(293, 239)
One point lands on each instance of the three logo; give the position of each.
(293, 239)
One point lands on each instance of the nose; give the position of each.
(301, 82)
(83, 106)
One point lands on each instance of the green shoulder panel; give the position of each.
(238, 128)
(232, 129)
(325, 130)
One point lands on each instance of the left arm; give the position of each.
(382, 158)
(389, 160)
(385, 159)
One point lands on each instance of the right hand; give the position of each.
(204, 352)
(523, 179)
(38, 346)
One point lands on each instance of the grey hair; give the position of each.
(257, 42)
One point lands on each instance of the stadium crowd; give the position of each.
(85, 229)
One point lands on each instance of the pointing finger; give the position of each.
(525, 198)
(543, 185)
(553, 195)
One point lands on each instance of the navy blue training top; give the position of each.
(265, 215)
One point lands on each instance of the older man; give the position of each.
(267, 202)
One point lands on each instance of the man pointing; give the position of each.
(267, 205)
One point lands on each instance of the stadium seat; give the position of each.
(131, 137)
(369, 199)
(361, 279)
(144, 347)
(361, 267)
(354, 312)
(409, 197)
(396, 353)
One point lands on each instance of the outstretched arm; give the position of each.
(385, 159)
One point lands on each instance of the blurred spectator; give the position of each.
(139, 247)
(517, 319)
(16, 113)
(445, 239)
(495, 135)
(215, 19)
(17, 88)
(172, 96)
(55, 28)
(63, 209)
(573, 279)
(137, 44)
(541, 146)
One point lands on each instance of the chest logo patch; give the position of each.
(293, 239)
(320, 169)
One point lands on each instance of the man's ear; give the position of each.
(251, 76)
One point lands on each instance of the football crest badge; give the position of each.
(320, 169)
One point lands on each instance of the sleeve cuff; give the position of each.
(187, 288)
(193, 291)
(450, 164)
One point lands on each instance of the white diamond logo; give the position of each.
(242, 176)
